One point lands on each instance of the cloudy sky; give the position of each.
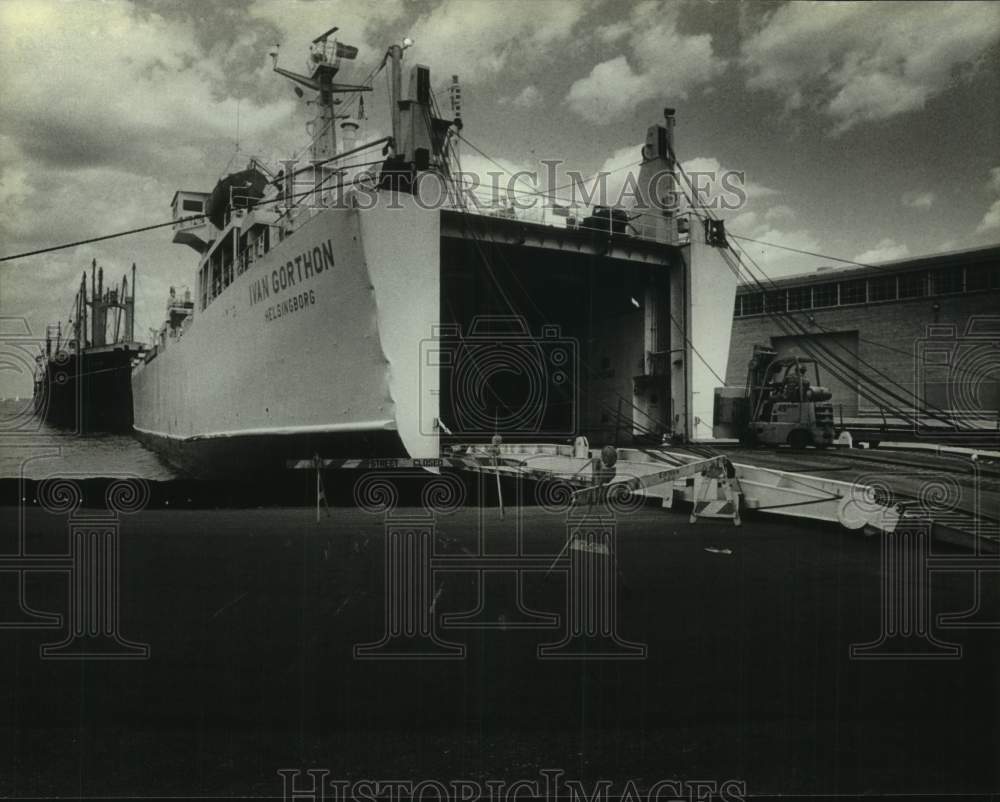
(867, 131)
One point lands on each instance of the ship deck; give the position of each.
(534, 229)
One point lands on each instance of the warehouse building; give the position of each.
(927, 328)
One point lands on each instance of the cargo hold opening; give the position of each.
(543, 344)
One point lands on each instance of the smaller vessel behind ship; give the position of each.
(83, 383)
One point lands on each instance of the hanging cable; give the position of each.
(188, 219)
(803, 332)
(824, 256)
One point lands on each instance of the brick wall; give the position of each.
(887, 332)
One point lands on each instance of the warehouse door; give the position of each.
(844, 346)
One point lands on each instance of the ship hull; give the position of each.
(87, 393)
(265, 455)
(314, 349)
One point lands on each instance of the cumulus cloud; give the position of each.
(129, 91)
(885, 251)
(662, 63)
(299, 22)
(713, 170)
(498, 182)
(865, 62)
(768, 243)
(525, 99)
(478, 40)
(757, 216)
(779, 213)
(613, 32)
(918, 200)
(712, 179)
(617, 167)
(108, 109)
(770, 258)
(995, 179)
(991, 220)
(611, 89)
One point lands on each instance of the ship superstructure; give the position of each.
(336, 312)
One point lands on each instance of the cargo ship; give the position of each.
(337, 312)
(82, 380)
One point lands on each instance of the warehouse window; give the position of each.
(799, 298)
(824, 295)
(947, 280)
(777, 301)
(882, 288)
(753, 303)
(978, 278)
(913, 285)
(982, 278)
(853, 292)
(738, 307)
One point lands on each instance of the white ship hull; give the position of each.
(315, 348)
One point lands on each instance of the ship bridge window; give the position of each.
(192, 206)
(252, 245)
(227, 253)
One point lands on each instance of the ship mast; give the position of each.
(325, 54)
(394, 55)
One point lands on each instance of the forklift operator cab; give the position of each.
(785, 407)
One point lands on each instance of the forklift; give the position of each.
(781, 406)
